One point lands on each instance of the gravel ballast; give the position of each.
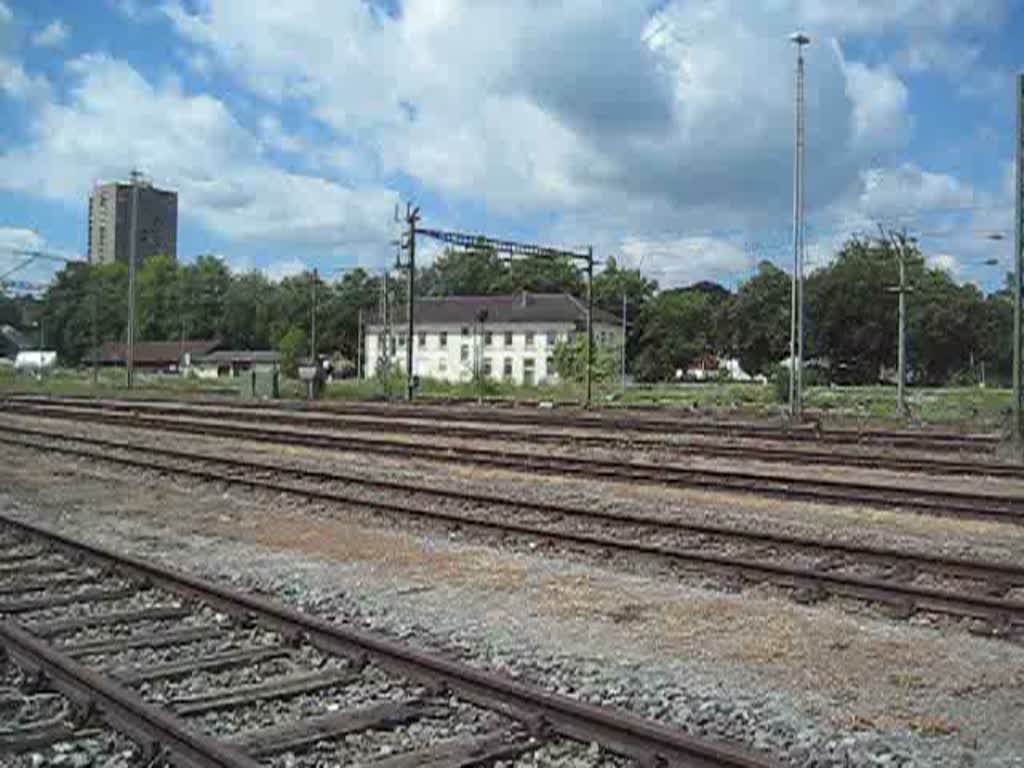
(812, 686)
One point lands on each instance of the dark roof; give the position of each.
(156, 352)
(239, 356)
(515, 308)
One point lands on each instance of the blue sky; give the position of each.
(660, 132)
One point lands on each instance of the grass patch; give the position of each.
(968, 408)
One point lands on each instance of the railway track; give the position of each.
(364, 422)
(924, 440)
(206, 676)
(992, 593)
(1001, 507)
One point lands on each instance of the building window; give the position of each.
(552, 338)
(488, 368)
(442, 365)
(507, 371)
(392, 346)
(465, 330)
(442, 339)
(422, 340)
(529, 339)
(401, 340)
(528, 371)
(549, 366)
(508, 338)
(464, 353)
(488, 339)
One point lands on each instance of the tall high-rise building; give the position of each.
(110, 218)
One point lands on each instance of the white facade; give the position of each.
(521, 352)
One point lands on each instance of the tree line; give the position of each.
(955, 332)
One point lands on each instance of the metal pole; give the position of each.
(132, 253)
(312, 322)
(623, 340)
(901, 395)
(95, 333)
(411, 218)
(796, 330)
(359, 342)
(1018, 273)
(590, 325)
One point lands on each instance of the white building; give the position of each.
(510, 338)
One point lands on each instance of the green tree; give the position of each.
(676, 328)
(470, 272)
(293, 344)
(158, 299)
(340, 307)
(541, 274)
(202, 298)
(249, 308)
(571, 360)
(946, 327)
(758, 320)
(851, 312)
(10, 312)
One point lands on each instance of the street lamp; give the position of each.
(796, 331)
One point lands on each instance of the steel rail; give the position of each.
(1005, 615)
(934, 440)
(121, 708)
(1008, 508)
(366, 422)
(1007, 573)
(617, 730)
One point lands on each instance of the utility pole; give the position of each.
(39, 347)
(590, 325)
(900, 244)
(359, 347)
(412, 216)
(1018, 274)
(312, 322)
(95, 330)
(796, 331)
(133, 234)
(623, 340)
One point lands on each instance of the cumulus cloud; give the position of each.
(890, 192)
(192, 143)
(53, 35)
(681, 261)
(573, 105)
(635, 130)
(15, 240)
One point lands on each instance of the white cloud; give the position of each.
(681, 261)
(191, 143)
(19, 238)
(14, 240)
(571, 106)
(877, 16)
(892, 192)
(16, 83)
(946, 262)
(284, 268)
(53, 35)
(938, 55)
(275, 136)
(880, 118)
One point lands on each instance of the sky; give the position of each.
(660, 132)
